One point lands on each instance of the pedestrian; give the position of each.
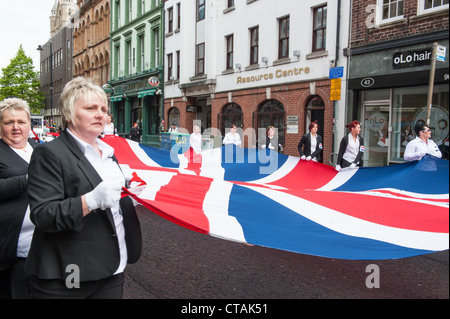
(173, 128)
(135, 133)
(16, 229)
(85, 232)
(310, 145)
(351, 148)
(232, 137)
(195, 139)
(421, 145)
(271, 140)
(109, 126)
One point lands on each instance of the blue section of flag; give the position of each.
(428, 176)
(270, 224)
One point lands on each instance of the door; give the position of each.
(375, 134)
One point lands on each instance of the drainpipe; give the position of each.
(336, 59)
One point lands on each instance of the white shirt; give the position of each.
(352, 149)
(26, 232)
(109, 129)
(195, 141)
(417, 148)
(231, 138)
(108, 171)
(313, 145)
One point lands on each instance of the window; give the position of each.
(177, 76)
(169, 66)
(229, 62)
(129, 58)
(230, 3)
(130, 10)
(178, 16)
(254, 45)
(156, 39)
(170, 20)
(426, 6)
(283, 38)
(142, 52)
(391, 9)
(320, 29)
(142, 6)
(200, 59)
(200, 10)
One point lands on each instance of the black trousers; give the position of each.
(108, 288)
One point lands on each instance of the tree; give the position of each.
(21, 80)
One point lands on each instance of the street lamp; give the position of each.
(39, 48)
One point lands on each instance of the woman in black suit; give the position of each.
(16, 228)
(310, 145)
(85, 232)
(351, 148)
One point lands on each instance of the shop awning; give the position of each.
(116, 98)
(146, 93)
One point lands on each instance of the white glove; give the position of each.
(353, 165)
(308, 158)
(303, 157)
(338, 167)
(104, 196)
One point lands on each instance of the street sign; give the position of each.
(440, 53)
(336, 72)
(335, 89)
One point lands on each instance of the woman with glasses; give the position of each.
(421, 145)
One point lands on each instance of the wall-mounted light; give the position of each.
(264, 59)
(238, 66)
(297, 53)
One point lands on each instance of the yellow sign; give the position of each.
(335, 92)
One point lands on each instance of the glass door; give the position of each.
(375, 133)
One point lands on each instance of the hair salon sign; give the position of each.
(413, 58)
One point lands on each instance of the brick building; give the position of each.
(254, 64)
(91, 40)
(389, 61)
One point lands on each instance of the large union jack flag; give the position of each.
(269, 199)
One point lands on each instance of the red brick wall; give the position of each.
(294, 98)
(410, 25)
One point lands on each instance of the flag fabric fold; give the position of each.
(269, 199)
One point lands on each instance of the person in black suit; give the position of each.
(85, 232)
(310, 145)
(16, 228)
(351, 148)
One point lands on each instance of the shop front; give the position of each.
(389, 93)
(137, 100)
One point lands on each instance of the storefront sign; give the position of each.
(280, 73)
(413, 58)
(153, 81)
(192, 108)
(107, 88)
(440, 53)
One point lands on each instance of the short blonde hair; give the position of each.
(14, 104)
(72, 91)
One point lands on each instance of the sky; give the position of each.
(25, 22)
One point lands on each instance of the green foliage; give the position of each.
(20, 80)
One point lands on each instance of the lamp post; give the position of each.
(51, 81)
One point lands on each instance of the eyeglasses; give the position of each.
(426, 130)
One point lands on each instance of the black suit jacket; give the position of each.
(306, 140)
(59, 174)
(13, 200)
(343, 146)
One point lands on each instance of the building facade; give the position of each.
(255, 64)
(137, 66)
(56, 60)
(390, 62)
(91, 52)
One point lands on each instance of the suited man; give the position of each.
(16, 228)
(85, 233)
(310, 146)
